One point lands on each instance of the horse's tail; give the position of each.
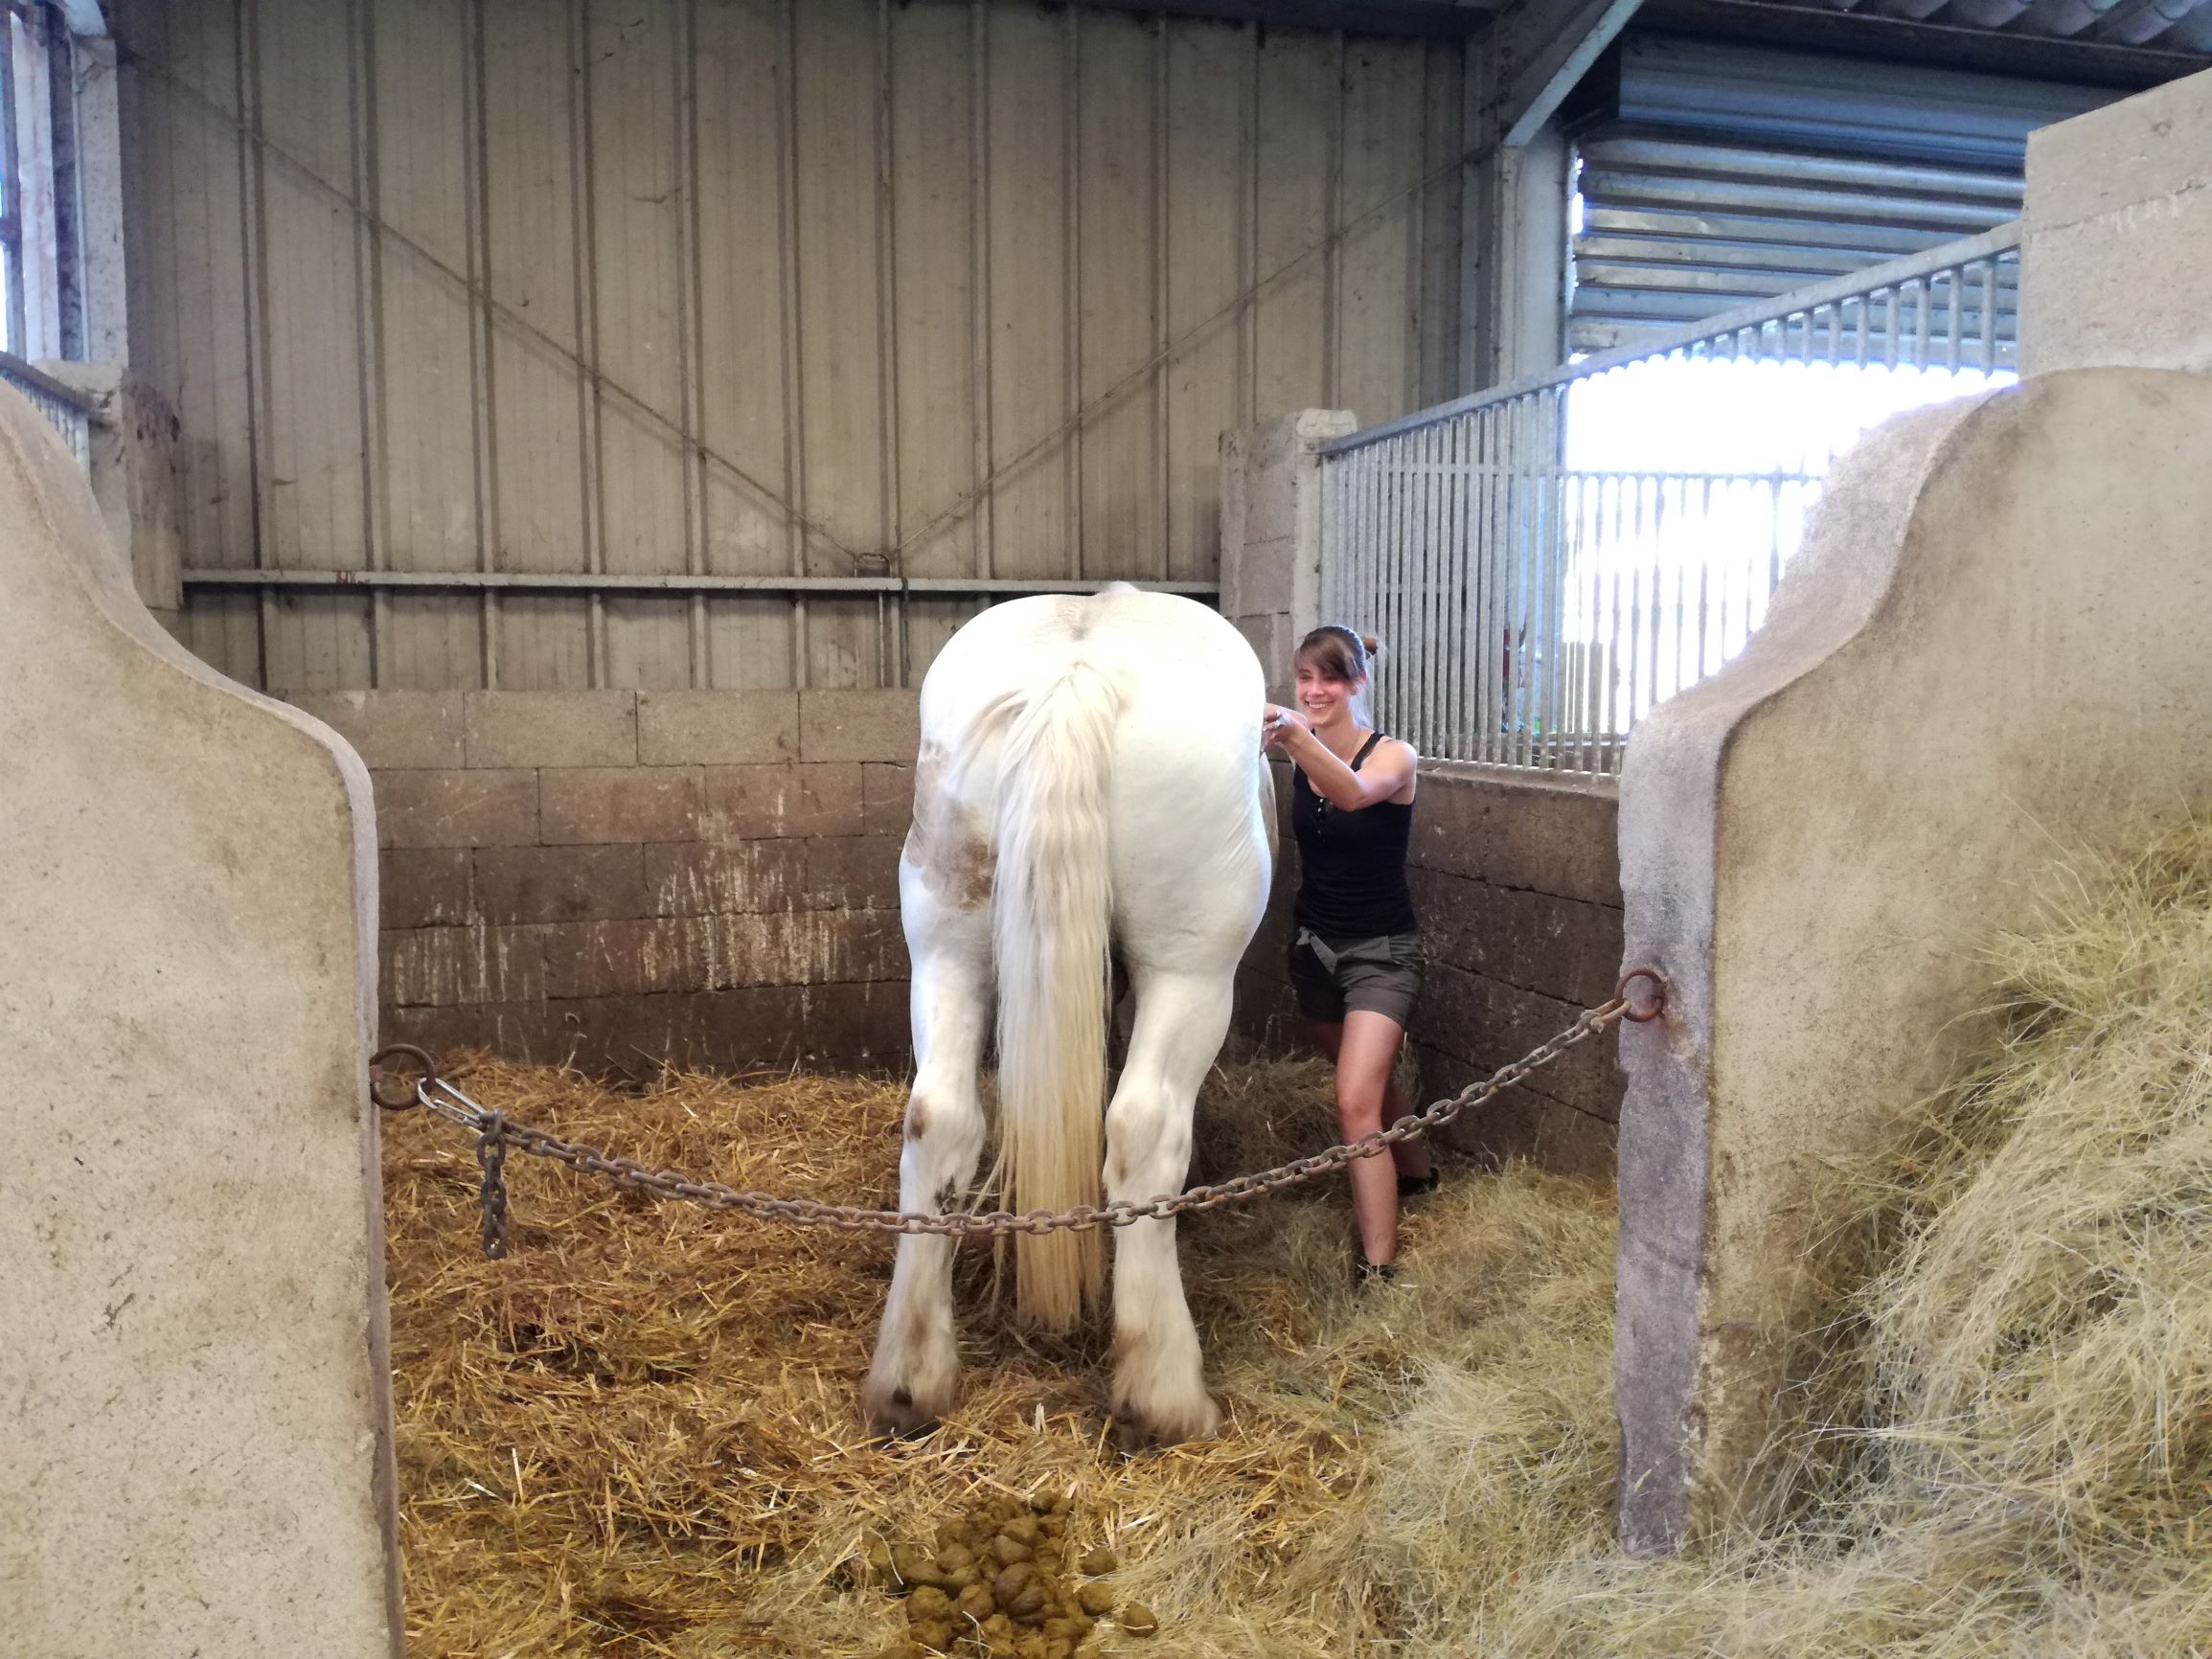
(1049, 925)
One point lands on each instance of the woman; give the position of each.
(1356, 962)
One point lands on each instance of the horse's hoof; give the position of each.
(890, 1432)
(895, 1413)
(1132, 1438)
(1135, 1434)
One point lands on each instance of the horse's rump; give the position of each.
(1054, 718)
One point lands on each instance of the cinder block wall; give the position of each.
(712, 878)
(624, 877)
(1516, 881)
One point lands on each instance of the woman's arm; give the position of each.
(1387, 771)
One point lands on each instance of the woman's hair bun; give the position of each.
(1337, 651)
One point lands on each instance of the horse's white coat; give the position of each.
(1088, 764)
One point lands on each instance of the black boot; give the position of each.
(1366, 1272)
(1413, 1186)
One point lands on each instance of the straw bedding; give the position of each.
(2027, 1468)
(638, 1434)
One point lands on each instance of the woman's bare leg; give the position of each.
(1411, 1157)
(1365, 1047)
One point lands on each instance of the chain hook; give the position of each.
(422, 1059)
(1657, 995)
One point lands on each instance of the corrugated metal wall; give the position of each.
(723, 293)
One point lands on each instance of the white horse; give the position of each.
(1089, 778)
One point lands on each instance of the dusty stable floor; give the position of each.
(638, 1434)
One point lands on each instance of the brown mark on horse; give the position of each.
(947, 843)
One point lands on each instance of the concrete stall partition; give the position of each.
(133, 436)
(193, 1352)
(2116, 260)
(1271, 533)
(1992, 647)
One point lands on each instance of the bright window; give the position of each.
(34, 58)
(10, 195)
(1738, 415)
(1689, 486)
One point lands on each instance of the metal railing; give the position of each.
(1534, 608)
(69, 412)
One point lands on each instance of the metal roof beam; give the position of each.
(1545, 47)
(2003, 50)
(1430, 19)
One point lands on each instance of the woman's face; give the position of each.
(1323, 698)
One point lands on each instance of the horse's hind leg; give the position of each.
(1159, 1385)
(916, 1372)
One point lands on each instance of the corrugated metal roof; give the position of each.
(2169, 25)
(1717, 173)
(1675, 230)
(2116, 46)
(1813, 102)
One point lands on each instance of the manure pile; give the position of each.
(639, 1434)
(1006, 1583)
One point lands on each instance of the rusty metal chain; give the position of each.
(491, 1191)
(496, 1132)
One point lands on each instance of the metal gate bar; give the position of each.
(1533, 612)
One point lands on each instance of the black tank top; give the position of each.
(1352, 865)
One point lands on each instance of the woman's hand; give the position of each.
(1278, 724)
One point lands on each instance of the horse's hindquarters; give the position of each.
(1192, 857)
(1086, 764)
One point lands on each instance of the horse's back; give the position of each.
(1186, 801)
(1189, 689)
(1162, 648)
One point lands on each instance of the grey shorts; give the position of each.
(1374, 975)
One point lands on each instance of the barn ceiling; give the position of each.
(2165, 25)
(1428, 18)
(2123, 43)
(2105, 42)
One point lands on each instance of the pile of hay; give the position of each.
(2029, 1473)
(638, 1434)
